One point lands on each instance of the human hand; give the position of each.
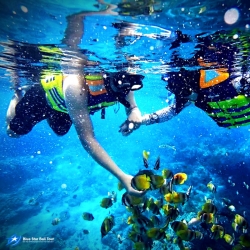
(132, 123)
(128, 127)
(126, 182)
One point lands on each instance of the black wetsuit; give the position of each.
(34, 108)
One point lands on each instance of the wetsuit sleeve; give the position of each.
(160, 116)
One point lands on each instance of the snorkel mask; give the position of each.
(120, 84)
(124, 82)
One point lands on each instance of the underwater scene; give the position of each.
(125, 124)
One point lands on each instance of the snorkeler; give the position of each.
(222, 97)
(64, 100)
(70, 97)
(216, 88)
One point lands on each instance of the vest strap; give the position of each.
(231, 113)
(95, 84)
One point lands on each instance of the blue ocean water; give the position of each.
(43, 176)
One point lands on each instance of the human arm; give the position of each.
(76, 98)
(160, 116)
(241, 83)
(75, 24)
(166, 114)
(134, 118)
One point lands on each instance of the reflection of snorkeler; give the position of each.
(180, 38)
(136, 8)
(74, 33)
(75, 28)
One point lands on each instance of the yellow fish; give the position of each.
(208, 218)
(106, 202)
(166, 188)
(211, 187)
(179, 178)
(159, 202)
(157, 181)
(202, 9)
(156, 221)
(130, 220)
(152, 206)
(156, 233)
(176, 198)
(55, 221)
(120, 186)
(107, 225)
(209, 208)
(88, 216)
(245, 240)
(130, 200)
(229, 239)
(157, 163)
(240, 223)
(179, 226)
(141, 182)
(171, 212)
(238, 247)
(134, 236)
(189, 235)
(140, 245)
(143, 221)
(145, 156)
(180, 244)
(138, 229)
(134, 210)
(218, 232)
(167, 174)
